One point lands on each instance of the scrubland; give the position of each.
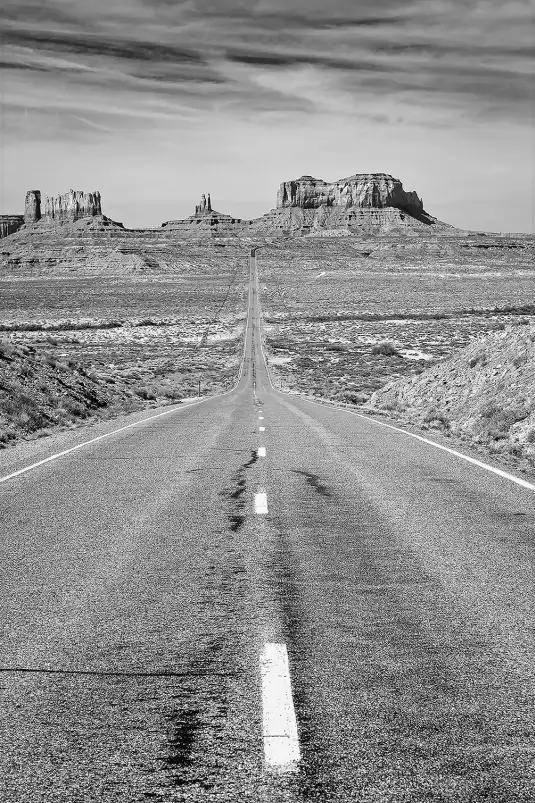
(437, 334)
(344, 317)
(483, 394)
(141, 340)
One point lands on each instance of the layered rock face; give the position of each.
(9, 224)
(72, 206)
(363, 190)
(32, 207)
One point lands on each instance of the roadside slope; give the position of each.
(484, 394)
(39, 393)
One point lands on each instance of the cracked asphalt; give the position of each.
(139, 588)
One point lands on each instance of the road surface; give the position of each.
(258, 598)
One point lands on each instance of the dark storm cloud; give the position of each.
(464, 54)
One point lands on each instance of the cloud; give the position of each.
(126, 50)
(464, 57)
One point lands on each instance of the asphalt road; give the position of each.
(139, 587)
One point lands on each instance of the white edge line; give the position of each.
(279, 724)
(144, 420)
(499, 472)
(261, 451)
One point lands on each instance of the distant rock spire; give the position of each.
(209, 203)
(32, 208)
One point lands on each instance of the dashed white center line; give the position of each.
(281, 741)
(261, 451)
(260, 417)
(261, 429)
(260, 503)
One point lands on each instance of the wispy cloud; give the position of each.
(465, 55)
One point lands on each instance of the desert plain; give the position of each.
(356, 293)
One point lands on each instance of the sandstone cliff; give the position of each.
(363, 190)
(9, 224)
(32, 207)
(71, 206)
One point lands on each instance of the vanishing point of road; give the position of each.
(259, 598)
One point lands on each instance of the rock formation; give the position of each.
(9, 224)
(366, 203)
(71, 206)
(206, 223)
(32, 207)
(363, 190)
(205, 205)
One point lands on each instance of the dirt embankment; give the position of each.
(484, 394)
(40, 393)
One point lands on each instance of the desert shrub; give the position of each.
(6, 349)
(437, 418)
(26, 371)
(394, 406)
(6, 436)
(488, 410)
(75, 408)
(386, 348)
(304, 362)
(530, 437)
(23, 412)
(496, 413)
(519, 360)
(478, 359)
(170, 392)
(335, 347)
(500, 421)
(145, 393)
(52, 340)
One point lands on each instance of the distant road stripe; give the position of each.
(260, 417)
(261, 451)
(260, 503)
(279, 725)
(261, 429)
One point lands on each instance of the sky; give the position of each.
(154, 102)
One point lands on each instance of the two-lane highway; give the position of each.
(260, 598)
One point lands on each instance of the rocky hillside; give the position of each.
(40, 393)
(484, 394)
